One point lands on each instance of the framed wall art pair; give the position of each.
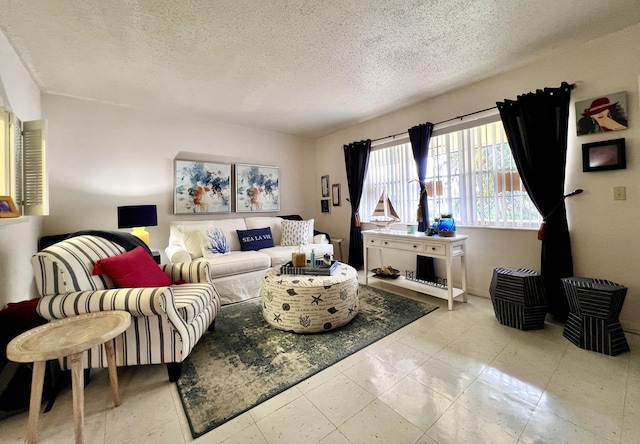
(329, 190)
(206, 187)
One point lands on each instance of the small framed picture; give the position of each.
(7, 207)
(603, 156)
(335, 194)
(324, 185)
(324, 206)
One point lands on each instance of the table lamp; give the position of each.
(138, 217)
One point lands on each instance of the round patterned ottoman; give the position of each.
(310, 304)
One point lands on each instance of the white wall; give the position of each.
(102, 156)
(18, 241)
(605, 240)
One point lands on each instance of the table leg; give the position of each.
(113, 371)
(77, 387)
(463, 268)
(366, 271)
(449, 284)
(37, 381)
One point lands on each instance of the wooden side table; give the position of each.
(339, 243)
(68, 337)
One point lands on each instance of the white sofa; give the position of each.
(238, 275)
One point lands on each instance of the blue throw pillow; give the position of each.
(255, 239)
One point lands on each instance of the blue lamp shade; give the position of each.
(138, 217)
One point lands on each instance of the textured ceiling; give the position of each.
(307, 68)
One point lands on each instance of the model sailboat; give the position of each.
(384, 215)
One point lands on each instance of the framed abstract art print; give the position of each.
(257, 188)
(201, 187)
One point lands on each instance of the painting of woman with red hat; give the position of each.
(607, 113)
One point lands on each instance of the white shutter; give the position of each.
(17, 171)
(35, 179)
(5, 154)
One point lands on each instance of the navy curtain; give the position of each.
(420, 136)
(536, 125)
(356, 159)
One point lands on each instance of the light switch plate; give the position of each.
(619, 193)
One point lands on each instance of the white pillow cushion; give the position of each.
(273, 222)
(311, 228)
(296, 232)
(191, 237)
(213, 242)
(229, 227)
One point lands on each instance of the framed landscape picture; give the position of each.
(201, 187)
(603, 156)
(257, 188)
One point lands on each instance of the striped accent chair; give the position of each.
(167, 322)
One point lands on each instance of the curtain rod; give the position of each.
(438, 123)
(571, 85)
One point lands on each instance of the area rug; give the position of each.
(245, 361)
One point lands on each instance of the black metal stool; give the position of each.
(518, 298)
(594, 308)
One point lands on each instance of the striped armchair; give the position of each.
(167, 322)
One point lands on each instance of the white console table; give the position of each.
(431, 246)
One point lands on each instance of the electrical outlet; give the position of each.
(619, 193)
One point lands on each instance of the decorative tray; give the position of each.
(395, 274)
(321, 269)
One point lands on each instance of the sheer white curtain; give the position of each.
(390, 170)
(471, 174)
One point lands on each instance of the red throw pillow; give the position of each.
(133, 269)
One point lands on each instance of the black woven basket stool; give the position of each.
(518, 298)
(594, 308)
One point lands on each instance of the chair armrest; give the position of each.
(137, 301)
(190, 272)
(177, 254)
(320, 239)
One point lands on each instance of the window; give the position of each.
(470, 174)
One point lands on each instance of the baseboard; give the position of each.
(630, 326)
(478, 292)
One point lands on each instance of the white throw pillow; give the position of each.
(296, 232)
(191, 239)
(273, 222)
(213, 243)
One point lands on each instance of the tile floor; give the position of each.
(450, 377)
